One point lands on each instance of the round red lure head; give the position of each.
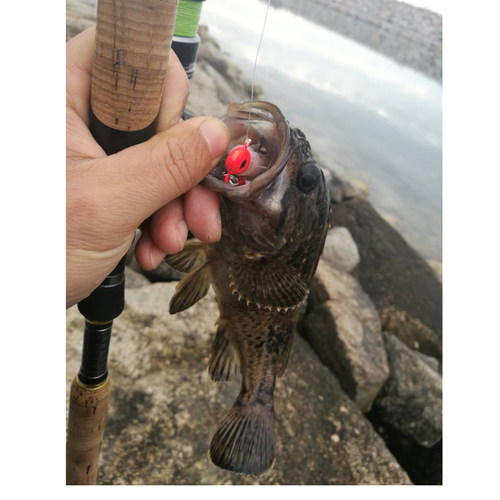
(238, 160)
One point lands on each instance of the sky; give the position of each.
(434, 5)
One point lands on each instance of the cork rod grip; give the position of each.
(87, 416)
(133, 40)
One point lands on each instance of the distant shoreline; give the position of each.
(410, 35)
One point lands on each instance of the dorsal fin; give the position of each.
(193, 287)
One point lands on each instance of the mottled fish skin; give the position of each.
(261, 271)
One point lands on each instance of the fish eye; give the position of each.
(307, 177)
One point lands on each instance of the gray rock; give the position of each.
(354, 189)
(164, 408)
(412, 331)
(80, 14)
(404, 289)
(430, 361)
(335, 186)
(341, 250)
(411, 399)
(344, 329)
(225, 92)
(216, 80)
(134, 279)
(437, 267)
(203, 95)
(341, 189)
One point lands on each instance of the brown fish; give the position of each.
(273, 230)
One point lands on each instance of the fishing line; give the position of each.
(239, 158)
(255, 65)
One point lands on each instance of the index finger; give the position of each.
(175, 94)
(79, 58)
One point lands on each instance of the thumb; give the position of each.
(145, 177)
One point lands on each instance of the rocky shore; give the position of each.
(361, 401)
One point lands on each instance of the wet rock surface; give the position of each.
(423, 465)
(411, 398)
(407, 413)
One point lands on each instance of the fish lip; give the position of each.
(256, 110)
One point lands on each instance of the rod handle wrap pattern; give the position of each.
(131, 55)
(86, 421)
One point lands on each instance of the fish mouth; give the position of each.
(269, 134)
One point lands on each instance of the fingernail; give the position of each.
(216, 136)
(155, 257)
(214, 228)
(181, 231)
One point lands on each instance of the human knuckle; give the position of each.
(173, 161)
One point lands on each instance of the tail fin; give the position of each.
(244, 441)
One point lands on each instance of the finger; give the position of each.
(201, 210)
(79, 59)
(168, 228)
(80, 144)
(147, 254)
(175, 94)
(141, 179)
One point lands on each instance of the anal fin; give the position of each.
(193, 287)
(224, 362)
(284, 355)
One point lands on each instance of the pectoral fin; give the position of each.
(193, 287)
(193, 255)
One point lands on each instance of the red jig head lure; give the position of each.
(237, 161)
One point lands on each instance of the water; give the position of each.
(366, 117)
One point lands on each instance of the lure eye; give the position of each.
(307, 177)
(243, 164)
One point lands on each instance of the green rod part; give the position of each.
(188, 18)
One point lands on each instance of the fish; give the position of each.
(275, 218)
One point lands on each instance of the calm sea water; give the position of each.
(366, 117)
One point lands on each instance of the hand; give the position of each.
(153, 185)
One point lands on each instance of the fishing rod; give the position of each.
(126, 92)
